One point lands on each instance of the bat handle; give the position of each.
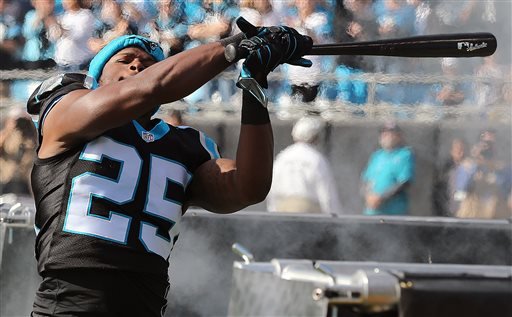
(234, 53)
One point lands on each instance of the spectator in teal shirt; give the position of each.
(389, 172)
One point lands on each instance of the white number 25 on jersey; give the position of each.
(121, 190)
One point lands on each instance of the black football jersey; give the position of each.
(116, 201)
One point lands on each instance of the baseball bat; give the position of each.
(436, 45)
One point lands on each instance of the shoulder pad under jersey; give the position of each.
(53, 88)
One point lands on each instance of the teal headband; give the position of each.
(122, 42)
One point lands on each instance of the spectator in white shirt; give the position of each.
(77, 27)
(303, 180)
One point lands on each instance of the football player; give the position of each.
(111, 184)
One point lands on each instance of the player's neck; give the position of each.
(145, 122)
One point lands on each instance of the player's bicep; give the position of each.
(82, 115)
(58, 115)
(62, 124)
(213, 187)
(63, 119)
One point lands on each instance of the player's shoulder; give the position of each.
(55, 87)
(201, 139)
(186, 130)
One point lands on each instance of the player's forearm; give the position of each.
(183, 73)
(254, 162)
(255, 153)
(169, 80)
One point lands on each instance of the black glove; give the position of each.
(268, 48)
(263, 57)
(292, 44)
(273, 46)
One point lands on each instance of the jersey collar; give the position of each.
(158, 131)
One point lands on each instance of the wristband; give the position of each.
(252, 110)
(235, 39)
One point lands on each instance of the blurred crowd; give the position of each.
(473, 182)
(65, 35)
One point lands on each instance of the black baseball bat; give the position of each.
(436, 45)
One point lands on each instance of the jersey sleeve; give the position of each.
(209, 145)
(46, 95)
(202, 148)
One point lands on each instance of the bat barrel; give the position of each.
(440, 45)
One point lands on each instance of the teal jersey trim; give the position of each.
(158, 131)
